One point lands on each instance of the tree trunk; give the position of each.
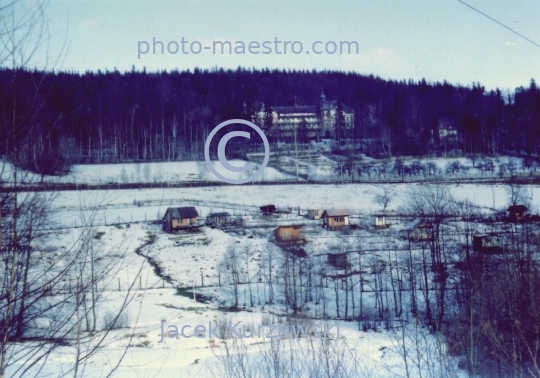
(20, 315)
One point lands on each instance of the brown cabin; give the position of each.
(489, 244)
(181, 218)
(338, 260)
(290, 234)
(423, 231)
(517, 213)
(335, 219)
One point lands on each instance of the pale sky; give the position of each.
(413, 39)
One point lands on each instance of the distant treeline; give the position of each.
(53, 119)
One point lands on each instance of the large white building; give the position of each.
(308, 122)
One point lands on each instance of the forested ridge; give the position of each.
(104, 117)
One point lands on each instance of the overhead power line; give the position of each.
(500, 23)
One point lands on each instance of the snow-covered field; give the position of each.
(285, 168)
(194, 260)
(120, 206)
(163, 172)
(146, 353)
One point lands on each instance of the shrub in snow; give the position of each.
(111, 321)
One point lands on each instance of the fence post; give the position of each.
(119, 284)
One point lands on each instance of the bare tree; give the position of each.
(433, 204)
(23, 32)
(247, 255)
(268, 271)
(385, 197)
(146, 172)
(517, 195)
(39, 313)
(231, 267)
(388, 139)
(202, 170)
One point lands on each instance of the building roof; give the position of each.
(488, 235)
(268, 208)
(336, 212)
(224, 214)
(304, 109)
(417, 224)
(328, 105)
(517, 208)
(295, 109)
(183, 212)
(423, 224)
(295, 226)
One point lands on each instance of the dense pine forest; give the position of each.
(107, 117)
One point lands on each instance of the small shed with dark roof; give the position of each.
(517, 213)
(180, 218)
(338, 260)
(335, 219)
(490, 243)
(420, 231)
(218, 219)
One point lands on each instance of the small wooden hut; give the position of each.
(218, 219)
(336, 219)
(290, 234)
(338, 260)
(181, 218)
